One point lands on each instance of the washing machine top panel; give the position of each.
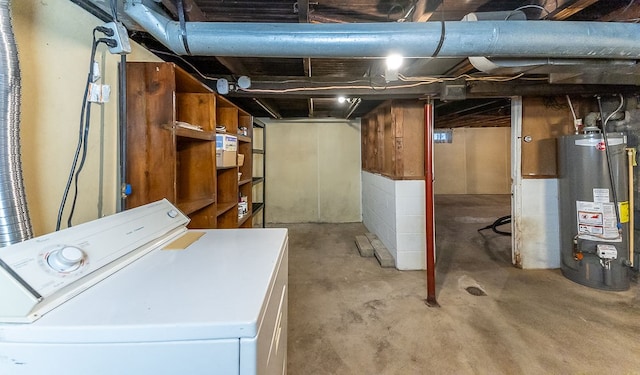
(214, 288)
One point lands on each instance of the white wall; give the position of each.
(54, 43)
(395, 211)
(313, 171)
(476, 162)
(536, 233)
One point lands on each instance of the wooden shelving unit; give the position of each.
(258, 173)
(171, 146)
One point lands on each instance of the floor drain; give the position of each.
(475, 291)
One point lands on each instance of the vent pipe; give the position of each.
(15, 225)
(544, 39)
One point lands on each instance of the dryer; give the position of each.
(138, 293)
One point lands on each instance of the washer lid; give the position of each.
(215, 288)
(39, 274)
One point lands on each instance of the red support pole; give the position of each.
(429, 208)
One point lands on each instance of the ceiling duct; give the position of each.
(576, 66)
(509, 39)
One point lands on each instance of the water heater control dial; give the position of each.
(65, 258)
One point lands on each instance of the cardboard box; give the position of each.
(240, 160)
(225, 158)
(226, 150)
(226, 142)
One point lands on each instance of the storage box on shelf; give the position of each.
(171, 146)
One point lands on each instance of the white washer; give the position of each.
(219, 306)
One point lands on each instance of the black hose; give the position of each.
(501, 221)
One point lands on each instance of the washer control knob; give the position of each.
(65, 259)
(172, 213)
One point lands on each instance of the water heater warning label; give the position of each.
(597, 221)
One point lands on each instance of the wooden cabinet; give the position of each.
(171, 146)
(392, 139)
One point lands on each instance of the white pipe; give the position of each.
(544, 39)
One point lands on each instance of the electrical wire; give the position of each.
(114, 10)
(186, 62)
(416, 81)
(628, 6)
(83, 136)
(616, 111)
(527, 7)
(573, 112)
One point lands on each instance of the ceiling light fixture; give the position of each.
(394, 61)
(341, 99)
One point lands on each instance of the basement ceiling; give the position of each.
(310, 87)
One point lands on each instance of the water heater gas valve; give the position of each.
(608, 252)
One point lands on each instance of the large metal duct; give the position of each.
(545, 39)
(15, 225)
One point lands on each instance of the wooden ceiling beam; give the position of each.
(568, 8)
(630, 13)
(193, 13)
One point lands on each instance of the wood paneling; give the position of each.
(150, 144)
(392, 140)
(543, 121)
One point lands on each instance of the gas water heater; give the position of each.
(594, 210)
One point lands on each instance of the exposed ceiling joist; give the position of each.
(569, 8)
(195, 14)
(267, 73)
(191, 9)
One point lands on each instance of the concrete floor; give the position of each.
(349, 316)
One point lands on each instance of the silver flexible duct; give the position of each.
(15, 225)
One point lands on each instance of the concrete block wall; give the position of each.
(394, 211)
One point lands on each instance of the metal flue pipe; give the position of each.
(15, 225)
(544, 39)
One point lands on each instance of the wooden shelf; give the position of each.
(258, 188)
(195, 134)
(242, 219)
(224, 207)
(195, 205)
(166, 160)
(226, 168)
(256, 207)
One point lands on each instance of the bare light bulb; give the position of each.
(394, 61)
